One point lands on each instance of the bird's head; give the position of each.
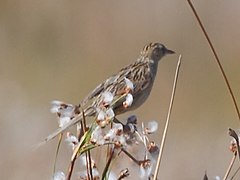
(155, 51)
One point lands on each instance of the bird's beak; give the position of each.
(168, 51)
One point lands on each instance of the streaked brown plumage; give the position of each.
(141, 73)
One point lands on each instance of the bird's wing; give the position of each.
(98, 90)
(92, 94)
(140, 75)
(107, 85)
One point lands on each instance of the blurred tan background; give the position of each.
(62, 49)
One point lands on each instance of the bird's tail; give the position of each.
(67, 111)
(72, 122)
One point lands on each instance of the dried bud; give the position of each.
(129, 85)
(151, 127)
(107, 98)
(63, 120)
(128, 101)
(71, 140)
(233, 146)
(153, 149)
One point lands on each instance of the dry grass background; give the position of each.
(62, 49)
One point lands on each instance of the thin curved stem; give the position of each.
(216, 57)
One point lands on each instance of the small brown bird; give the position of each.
(141, 74)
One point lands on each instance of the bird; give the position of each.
(141, 73)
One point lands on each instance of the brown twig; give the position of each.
(216, 57)
(88, 154)
(108, 164)
(234, 174)
(123, 174)
(230, 165)
(233, 134)
(168, 118)
(70, 169)
(130, 156)
(57, 151)
(73, 159)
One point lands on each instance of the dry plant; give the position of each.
(110, 139)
